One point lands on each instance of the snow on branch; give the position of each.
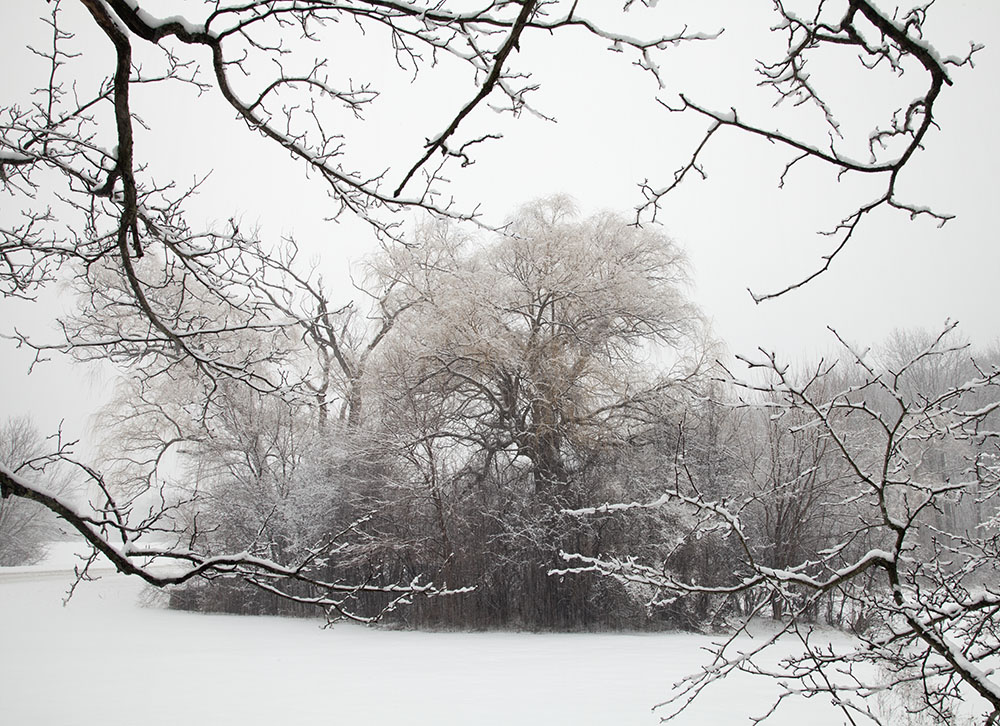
(175, 564)
(900, 41)
(891, 462)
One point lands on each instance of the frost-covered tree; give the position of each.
(529, 360)
(258, 474)
(546, 339)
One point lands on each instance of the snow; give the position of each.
(153, 22)
(13, 157)
(105, 658)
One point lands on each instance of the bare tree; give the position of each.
(792, 486)
(924, 593)
(341, 339)
(26, 527)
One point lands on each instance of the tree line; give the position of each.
(466, 422)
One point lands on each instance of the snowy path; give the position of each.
(104, 659)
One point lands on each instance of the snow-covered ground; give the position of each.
(108, 659)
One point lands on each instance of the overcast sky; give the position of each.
(738, 228)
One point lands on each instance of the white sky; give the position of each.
(739, 230)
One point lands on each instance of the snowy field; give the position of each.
(107, 658)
